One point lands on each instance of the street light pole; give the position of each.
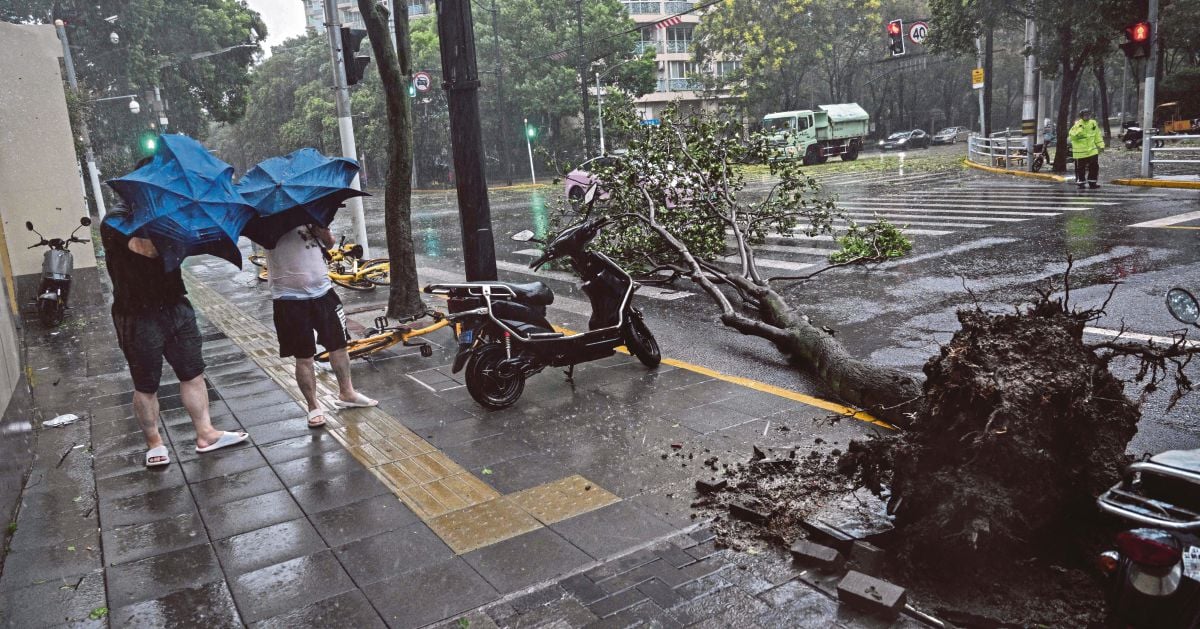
(529, 147)
(88, 155)
(600, 111)
(583, 66)
(341, 93)
(1148, 105)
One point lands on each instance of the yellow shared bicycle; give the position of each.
(346, 267)
(385, 334)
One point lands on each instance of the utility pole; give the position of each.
(600, 111)
(502, 138)
(1029, 122)
(456, 34)
(345, 122)
(529, 147)
(583, 66)
(1124, 95)
(986, 78)
(1148, 106)
(88, 155)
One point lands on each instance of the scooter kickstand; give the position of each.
(570, 373)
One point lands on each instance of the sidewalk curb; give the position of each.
(1157, 183)
(1018, 173)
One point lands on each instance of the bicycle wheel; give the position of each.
(379, 274)
(346, 281)
(258, 260)
(361, 348)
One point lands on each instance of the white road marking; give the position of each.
(1003, 205)
(808, 251)
(767, 263)
(996, 216)
(925, 223)
(1170, 220)
(1134, 336)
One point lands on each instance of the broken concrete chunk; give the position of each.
(829, 535)
(823, 557)
(746, 512)
(867, 556)
(711, 486)
(758, 454)
(871, 595)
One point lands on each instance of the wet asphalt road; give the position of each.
(1001, 237)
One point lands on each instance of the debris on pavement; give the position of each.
(61, 420)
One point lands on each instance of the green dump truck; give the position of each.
(817, 135)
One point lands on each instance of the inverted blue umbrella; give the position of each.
(301, 188)
(184, 202)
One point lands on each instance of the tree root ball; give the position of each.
(1023, 426)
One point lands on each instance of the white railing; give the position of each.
(1175, 154)
(997, 152)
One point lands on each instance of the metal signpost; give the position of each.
(345, 122)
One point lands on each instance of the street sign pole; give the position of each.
(977, 81)
(345, 123)
(1148, 106)
(1029, 122)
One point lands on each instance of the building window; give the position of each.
(727, 67)
(643, 8)
(679, 38)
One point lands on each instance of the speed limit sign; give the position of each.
(422, 81)
(918, 31)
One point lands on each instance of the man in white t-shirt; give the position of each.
(305, 303)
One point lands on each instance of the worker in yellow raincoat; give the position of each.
(1086, 145)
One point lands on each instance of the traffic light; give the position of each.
(530, 132)
(1137, 40)
(147, 143)
(354, 63)
(895, 31)
(412, 89)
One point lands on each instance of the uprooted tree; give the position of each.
(1018, 425)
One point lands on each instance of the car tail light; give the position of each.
(1150, 547)
(1108, 562)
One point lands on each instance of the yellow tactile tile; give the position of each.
(423, 503)
(562, 499)
(482, 525)
(369, 455)
(395, 477)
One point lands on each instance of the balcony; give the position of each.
(679, 46)
(644, 8)
(678, 85)
(415, 10)
(672, 8)
(642, 46)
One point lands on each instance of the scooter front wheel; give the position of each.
(486, 385)
(641, 342)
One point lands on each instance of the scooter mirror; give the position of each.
(85, 221)
(590, 196)
(1183, 306)
(29, 225)
(523, 236)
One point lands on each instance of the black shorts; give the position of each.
(297, 319)
(148, 336)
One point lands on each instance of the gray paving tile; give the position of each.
(247, 405)
(222, 463)
(71, 558)
(56, 602)
(157, 576)
(310, 444)
(319, 467)
(208, 605)
(488, 451)
(283, 587)
(350, 610)
(522, 561)
(252, 388)
(264, 434)
(399, 551)
(337, 492)
(224, 489)
(131, 543)
(610, 530)
(248, 514)
(429, 595)
(140, 481)
(147, 507)
(274, 413)
(268, 546)
(364, 518)
(710, 418)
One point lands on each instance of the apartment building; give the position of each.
(348, 13)
(670, 35)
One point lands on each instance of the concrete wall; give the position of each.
(39, 174)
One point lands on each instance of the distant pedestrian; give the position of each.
(304, 303)
(154, 320)
(1086, 145)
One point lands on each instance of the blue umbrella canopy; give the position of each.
(185, 202)
(297, 189)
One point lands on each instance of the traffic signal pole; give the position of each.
(456, 36)
(1148, 107)
(341, 93)
(1029, 122)
(88, 155)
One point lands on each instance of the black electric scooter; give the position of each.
(57, 265)
(505, 337)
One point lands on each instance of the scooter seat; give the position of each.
(533, 293)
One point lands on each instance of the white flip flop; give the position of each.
(227, 439)
(361, 401)
(316, 412)
(158, 452)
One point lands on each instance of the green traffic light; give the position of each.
(531, 132)
(151, 144)
(412, 90)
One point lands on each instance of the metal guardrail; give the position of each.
(1170, 151)
(642, 46)
(997, 152)
(671, 7)
(678, 85)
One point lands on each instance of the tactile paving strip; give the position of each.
(463, 510)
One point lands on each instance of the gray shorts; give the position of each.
(148, 336)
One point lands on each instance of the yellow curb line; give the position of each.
(1018, 173)
(1158, 183)
(765, 388)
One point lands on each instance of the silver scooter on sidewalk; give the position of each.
(57, 266)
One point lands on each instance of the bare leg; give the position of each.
(145, 409)
(340, 361)
(306, 377)
(195, 399)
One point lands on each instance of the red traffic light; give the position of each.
(894, 28)
(1139, 32)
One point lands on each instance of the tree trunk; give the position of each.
(1100, 80)
(404, 298)
(989, 80)
(1070, 75)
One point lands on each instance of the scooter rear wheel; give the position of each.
(50, 311)
(486, 385)
(641, 342)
